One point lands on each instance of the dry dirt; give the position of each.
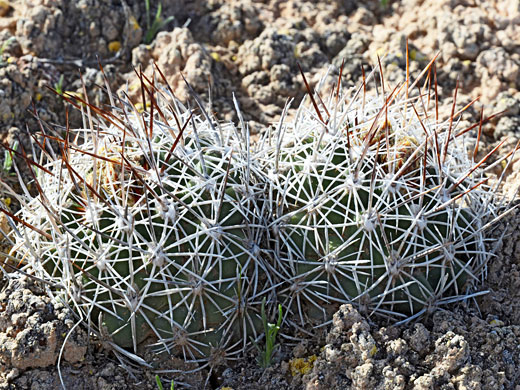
(252, 48)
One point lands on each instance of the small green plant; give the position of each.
(271, 331)
(156, 25)
(3, 47)
(58, 87)
(8, 159)
(160, 385)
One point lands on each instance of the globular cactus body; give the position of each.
(377, 205)
(152, 231)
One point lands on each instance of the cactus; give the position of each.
(151, 224)
(164, 225)
(374, 202)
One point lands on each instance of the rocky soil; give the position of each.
(252, 49)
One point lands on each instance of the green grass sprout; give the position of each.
(58, 87)
(271, 331)
(156, 25)
(8, 159)
(3, 47)
(160, 385)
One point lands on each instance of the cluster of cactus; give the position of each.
(167, 225)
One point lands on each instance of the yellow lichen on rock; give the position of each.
(302, 366)
(114, 46)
